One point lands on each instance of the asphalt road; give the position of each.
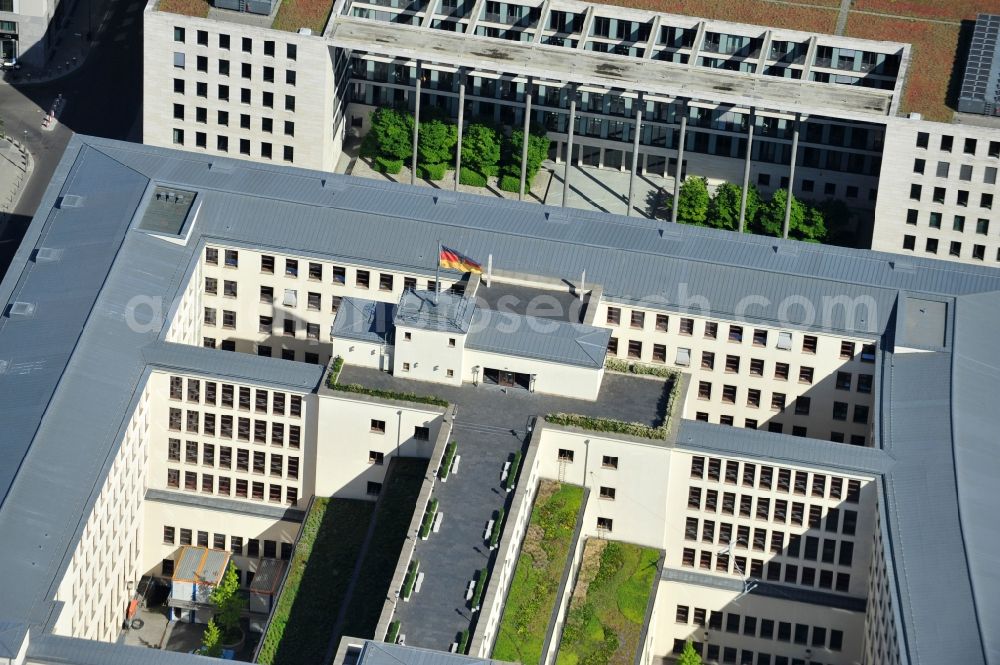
(103, 98)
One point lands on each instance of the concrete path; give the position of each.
(845, 7)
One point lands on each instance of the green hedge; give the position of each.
(425, 526)
(509, 183)
(388, 165)
(477, 595)
(463, 641)
(625, 367)
(369, 146)
(608, 425)
(515, 468)
(388, 394)
(410, 579)
(335, 367)
(393, 633)
(497, 528)
(471, 178)
(446, 459)
(432, 171)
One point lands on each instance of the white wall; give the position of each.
(429, 355)
(566, 380)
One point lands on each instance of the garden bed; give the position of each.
(392, 520)
(606, 614)
(305, 613)
(295, 14)
(532, 593)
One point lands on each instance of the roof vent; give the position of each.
(22, 309)
(305, 31)
(220, 167)
(786, 249)
(70, 201)
(46, 254)
(333, 184)
(4, 364)
(671, 232)
(556, 217)
(902, 266)
(444, 199)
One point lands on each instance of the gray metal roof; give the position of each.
(363, 320)
(268, 576)
(440, 312)
(72, 364)
(382, 653)
(982, 67)
(229, 506)
(50, 649)
(201, 565)
(542, 339)
(765, 588)
(273, 372)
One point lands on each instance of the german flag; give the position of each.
(457, 261)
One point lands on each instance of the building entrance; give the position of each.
(505, 379)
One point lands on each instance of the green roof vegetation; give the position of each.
(358, 389)
(306, 611)
(532, 593)
(392, 521)
(608, 608)
(197, 8)
(295, 14)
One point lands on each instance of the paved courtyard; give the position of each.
(490, 425)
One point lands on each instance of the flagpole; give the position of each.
(437, 275)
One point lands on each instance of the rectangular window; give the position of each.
(377, 426)
(662, 322)
(736, 334)
(638, 319)
(711, 330)
(687, 327)
(607, 493)
(361, 279)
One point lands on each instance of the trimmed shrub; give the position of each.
(477, 595)
(338, 364)
(432, 171)
(608, 425)
(410, 579)
(497, 528)
(446, 459)
(625, 367)
(389, 394)
(393, 633)
(388, 165)
(471, 178)
(425, 526)
(509, 183)
(515, 468)
(463, 641)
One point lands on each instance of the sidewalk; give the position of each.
(72, 45)
(15, 167)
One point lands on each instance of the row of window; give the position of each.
(773, 571)
(778, 428)
(269, 47)
(961, 196)
(810, 548)
(803, 403)
(784, 512)
(245, 430)
(221, 116)
(227, 397)
(244, 489)
(266, 150)
(255, 548)
(947, 142)
(260, 463)
(931, 246)
(736, 334)
(759, 627)
(965, 171)
(957, 224)
(224, 68)
(262, 350)
(714, 653)
(764, 477)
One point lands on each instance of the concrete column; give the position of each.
(461, 117)
(746, 175)
(416, 130)
(524, 143)
(635, 155)
(791, 178)
(680, 161)
(569, 144)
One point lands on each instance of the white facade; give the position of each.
(29, 29)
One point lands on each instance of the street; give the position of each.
(103, 98)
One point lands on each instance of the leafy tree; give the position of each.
(538, 150)
(692, 204)
(436, 143)
(689, 656)
(211, 640)
(228, 602)
(771, 217)
(812, 228)
(481, 149)
(393, 131)
(724, 208)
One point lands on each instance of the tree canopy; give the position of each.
(724, 208)
(211, 640)
(538, 150)
(228, 602)
(393, 132)
(481, 148)
(689, 656)
(692, 203)
(436, 142)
